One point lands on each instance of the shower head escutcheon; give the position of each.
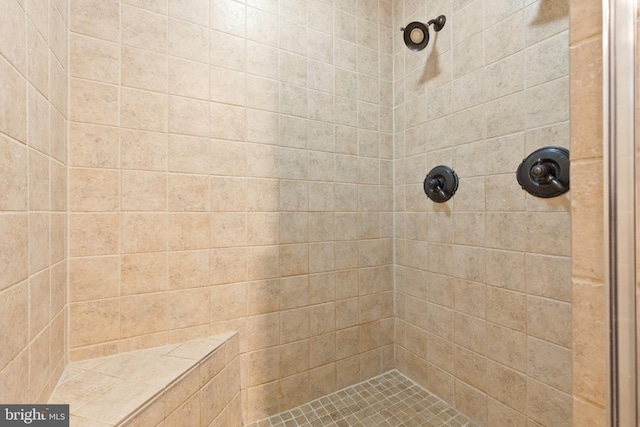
(416, 34)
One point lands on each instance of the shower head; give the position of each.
(416, 34)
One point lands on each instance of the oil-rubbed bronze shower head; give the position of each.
(416, 34)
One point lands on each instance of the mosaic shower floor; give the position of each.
(389, 400)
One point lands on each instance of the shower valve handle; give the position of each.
(543, 172)
(436, 184)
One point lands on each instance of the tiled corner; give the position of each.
(168, 382)
(389, 400)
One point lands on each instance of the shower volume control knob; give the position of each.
(545, 172)
(440, 184)
(539, 171)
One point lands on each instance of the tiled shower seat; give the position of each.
(197, 380)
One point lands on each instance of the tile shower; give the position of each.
(177, 169)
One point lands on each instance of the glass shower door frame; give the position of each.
(620, 191)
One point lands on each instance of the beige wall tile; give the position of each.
(322, 288)
(143, 110)
(586, 212)
(441, 353)
(322, 381)
(585, 20)
(547, 405)
(470, 298)
(228, 229)
(188, 40)
(213, 399)
(40, 180)
(39, 363)
(294, 357)
(144, 29)
(189, 155)
(188, 78)
(93, 146)
(58, 237)
(13, 35)
(59, 87)
(587, 414)
(188, 193)
(13, 375)
(294, 292)
(39, 302)
(499, 414)
(94, 59)
(58, 186)
(294, 259)
(263, 296)
(549, 320)
(263, 400)
(94, 278)
(506, 270)
(144, 191)
(228, 301)
(14, 104)
(14, 155)
(322, 350)
(263, 262)
(143, 150)
(263, 331)
(185, 116)
(38, 122)
(188, 308)
(471, 368)
(94, 190)
(39, 241)
(37, 63)
(15, 313)
(94, 322)
(227, 121)
(228, 265)
(143, 232)
(143, 314)
(294, 390)
(589, 335)
(95, 18)
(262, 366)
(507, 309)
(143, 69)
(507, 347)
(470, 332)
(549, 276)
(294, 325)
(550, 364)
(188, 231)
(188, 269)
(471, 402)
(143, 273)
(93, 102)
(507, 386)
(263, 228)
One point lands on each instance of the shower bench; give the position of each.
(195, 382)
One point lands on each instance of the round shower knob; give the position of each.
(545, 172)
(440, 184)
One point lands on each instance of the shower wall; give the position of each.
(33, 221)
(483, 281)
(587, 214)
(231, 169)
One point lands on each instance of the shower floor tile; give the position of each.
(389, 400)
